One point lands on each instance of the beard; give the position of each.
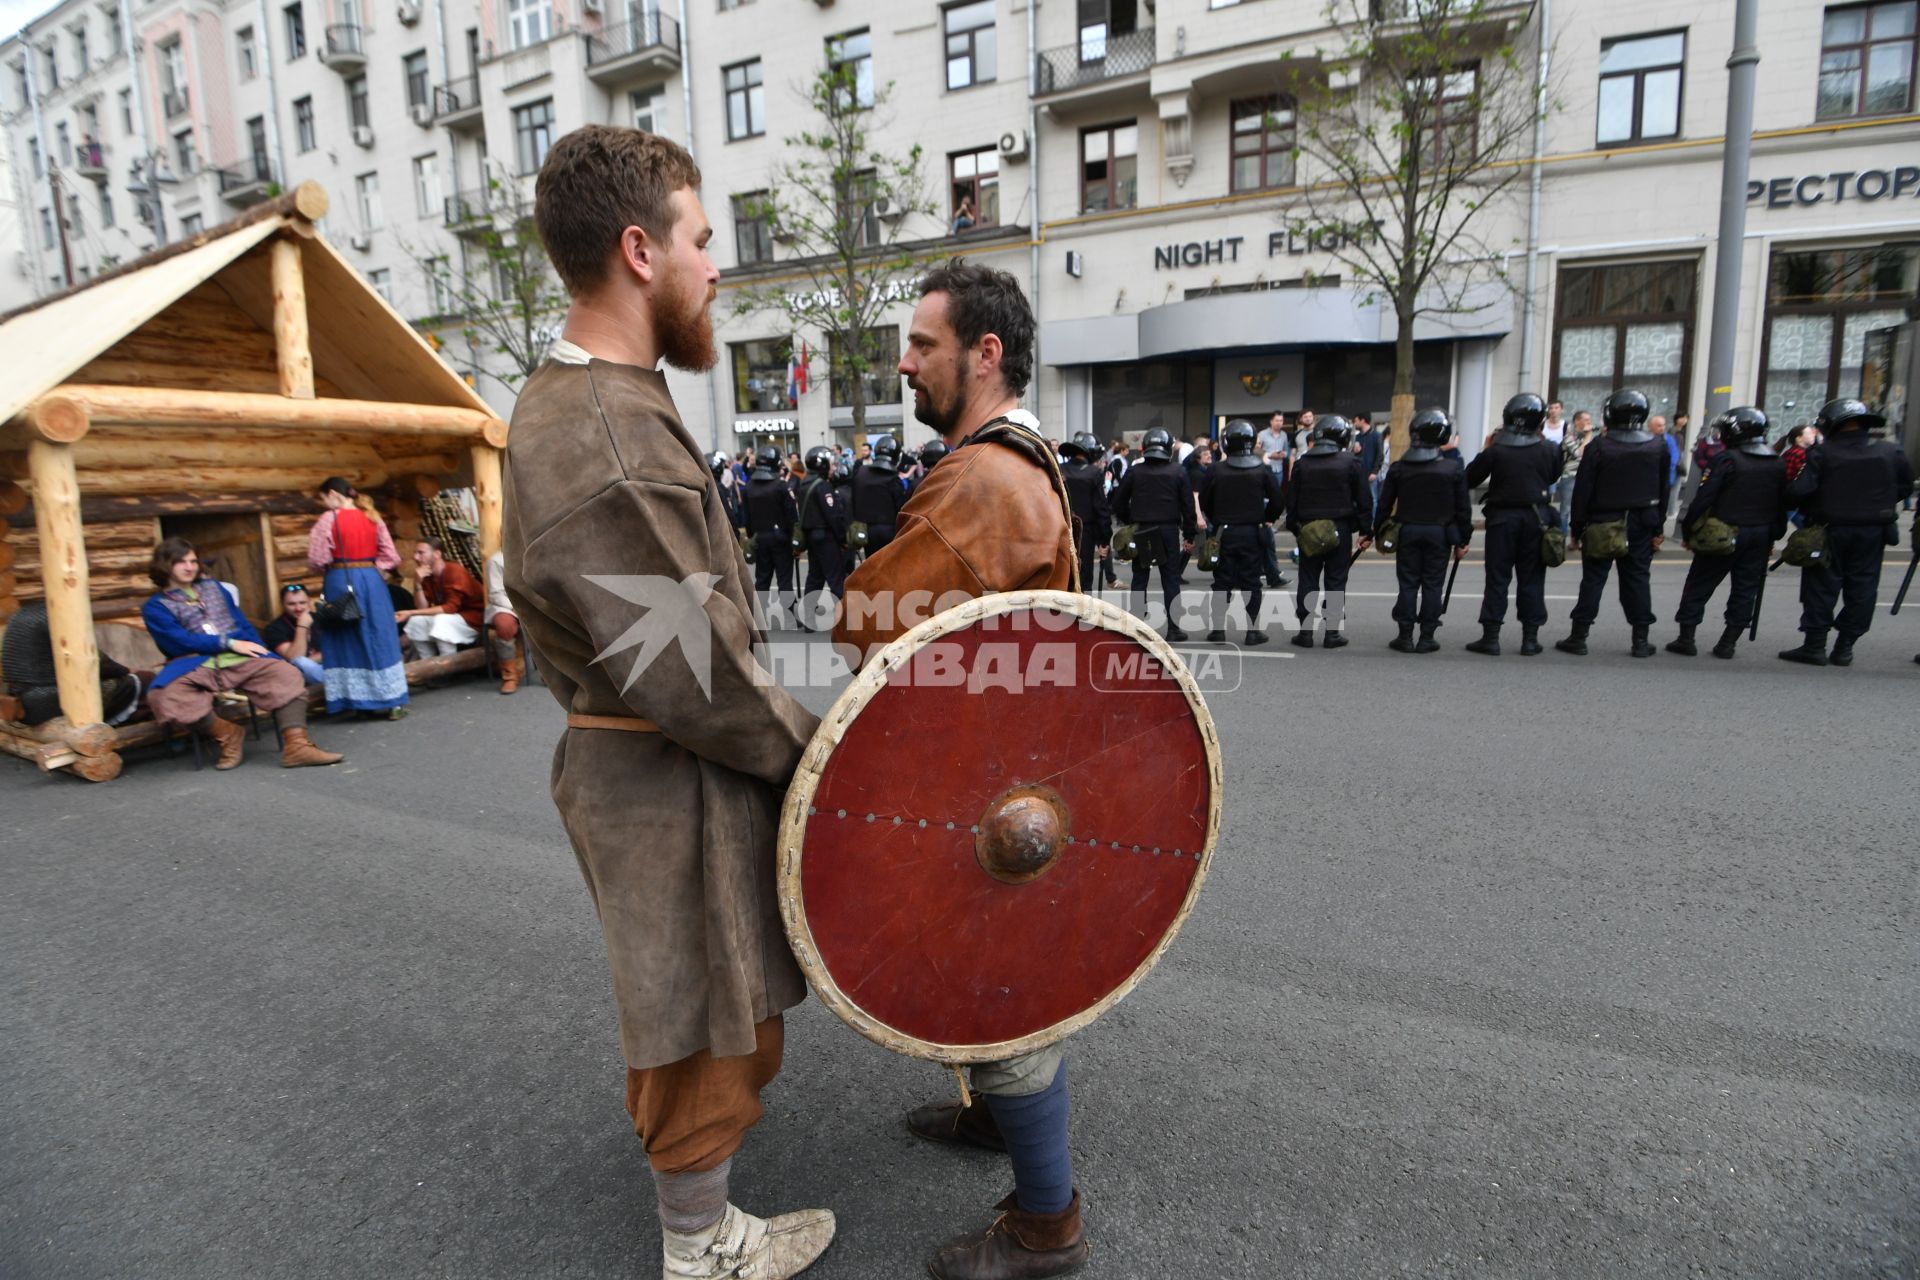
(684, 328)
(943, 416)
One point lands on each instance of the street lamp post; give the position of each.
(1727, 255)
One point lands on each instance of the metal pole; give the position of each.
(1527, 318)
(1741, 74)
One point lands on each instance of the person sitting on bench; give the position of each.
(447, 602)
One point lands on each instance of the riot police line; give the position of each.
(1149, 514)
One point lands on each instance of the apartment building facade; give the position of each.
(1131, 161)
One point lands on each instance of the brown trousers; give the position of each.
(692, 1114)
(186, 700)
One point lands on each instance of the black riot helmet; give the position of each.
(931, 452)
(1087, 443)
(1158, 445)
(1332, 434)
(1625, 412)
(1429, 430)
(1525, 414)
(1744, 428)
(886, 455)
(1835, 414)
(819, 461)
(1072, 450)
(1239, 441)
(766, 462)
(717, 462)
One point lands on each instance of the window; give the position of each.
(173, 76)
(975, 189)
(529, 22)
(752, 233)
(185, 160)
(856, 208)
(81, 59)
(303, 124)
(90, 131)
(249, 54)
(126, 111)
(642, 103)
(64, 137)
(1101, 19)
(1109, 160)
(296, 24)
(1626, 324)
(381, 280)
(1262, 143)
(426, 186)
(366, 194)
(106, 205)
(48, 236)
(413, 69)
(53, 67)
(34, 157)
(881, 376)
(533, 134)
(22, 84)
(74, 222)
(1821, 305)
(190, 225)
(851, 58)
(1640, 79)
(970, 44)
(257, 143)
(358, 113)
(1449, 105)
(760, 375)
(746, 101)
(1866, 60)
(732, 4)
(440, 294)
(116, 34)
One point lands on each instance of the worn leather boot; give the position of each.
(1256, 637)
(1530, 641)
(1303, 639)
(232, 741)
(1842, 655)
(1489, 641)
(741, 1245)
(1426, 643)
(1729, 642)
(510, 673)
(968, 1126)
(1682, 644)
(1333, 640)
(1576, 641)
(298, 752)
(1402, 643)
(1018, 1246)
(1642, 647)
(1812, 650)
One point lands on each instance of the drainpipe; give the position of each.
(47, 158)
(686, 111)
(1033, 193)
(1741, 73)
(446, 77)
(1533, 197)
(265, 24)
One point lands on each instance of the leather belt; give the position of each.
(625, 724)
(350, 564)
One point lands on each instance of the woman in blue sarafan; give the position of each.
(351, 546)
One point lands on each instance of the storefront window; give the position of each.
(881, 375)
(1626, 324)
(760, 371)
(1821, 305)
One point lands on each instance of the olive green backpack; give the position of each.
(1711, 536)
(1319, 537)
(1605, 541)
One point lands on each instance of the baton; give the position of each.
(1777, 563)
(1446, 597)
(1906, 582)
(1759, 598)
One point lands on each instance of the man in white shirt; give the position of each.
(1554, 430)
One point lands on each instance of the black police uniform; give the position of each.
(1519, 472)
(1749, 492)
(1154, 497)
(1621, 478)
(1429, 498)
(1327, 486)
(878, 496)
(823, 521)
(1238, 502)
(771, 515)
(1092, 516)
(1853, 484)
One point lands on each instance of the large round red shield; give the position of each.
(1000, 826)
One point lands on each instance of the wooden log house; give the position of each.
(204, 391)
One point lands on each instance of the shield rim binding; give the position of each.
(833, 728)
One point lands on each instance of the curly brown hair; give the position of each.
(168, 554)
(598, 181)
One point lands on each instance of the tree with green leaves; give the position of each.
(1415, 123)
(838, 203)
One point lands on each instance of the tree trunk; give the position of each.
(1403, 378)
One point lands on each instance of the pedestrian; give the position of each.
(1274, 446)
(1303, 432)
(1155, 498)
(1426, 493)
(1087, 500)
(1745, 493)
(1328, 511)
(1658, 426)
(1573, 447)
(1519, 469)
(1554, 429)
(351, 547)
(1368, 444)
(1852, 485)
(1240, 499)
(1619, 494)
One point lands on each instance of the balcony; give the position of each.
(646, 49)
(1095, 67)
(456, 104)
(344, 49)
(174, 103)
(90, 161)
(248, 182)
(470, 212)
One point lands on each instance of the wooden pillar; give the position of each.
(486, 496)
(271, 555)
(63, 570)
(294, 353)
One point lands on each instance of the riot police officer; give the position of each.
(878, 494)
(930, 453)
(1154, 497)
(722, 467)
(1746, 488)
(1239, 497)
(1619, 505)
(823, 523)
(1427, 494)
(1520, 469)
(1327, 484)
(1087, 497)
(1853, 485)
(771, 515)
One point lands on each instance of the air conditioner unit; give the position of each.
(363, 135)
(889, 208)
(423, 114)
(361, 240)
(1013, 145)
(408, 12)
(592, 6)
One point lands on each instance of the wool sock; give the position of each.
(293, 715)
(1035, 1130)
(690, 1202)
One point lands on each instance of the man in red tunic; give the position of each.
(447, 602)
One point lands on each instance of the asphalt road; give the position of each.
(1507, 968)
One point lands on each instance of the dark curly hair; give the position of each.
(981, 301)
